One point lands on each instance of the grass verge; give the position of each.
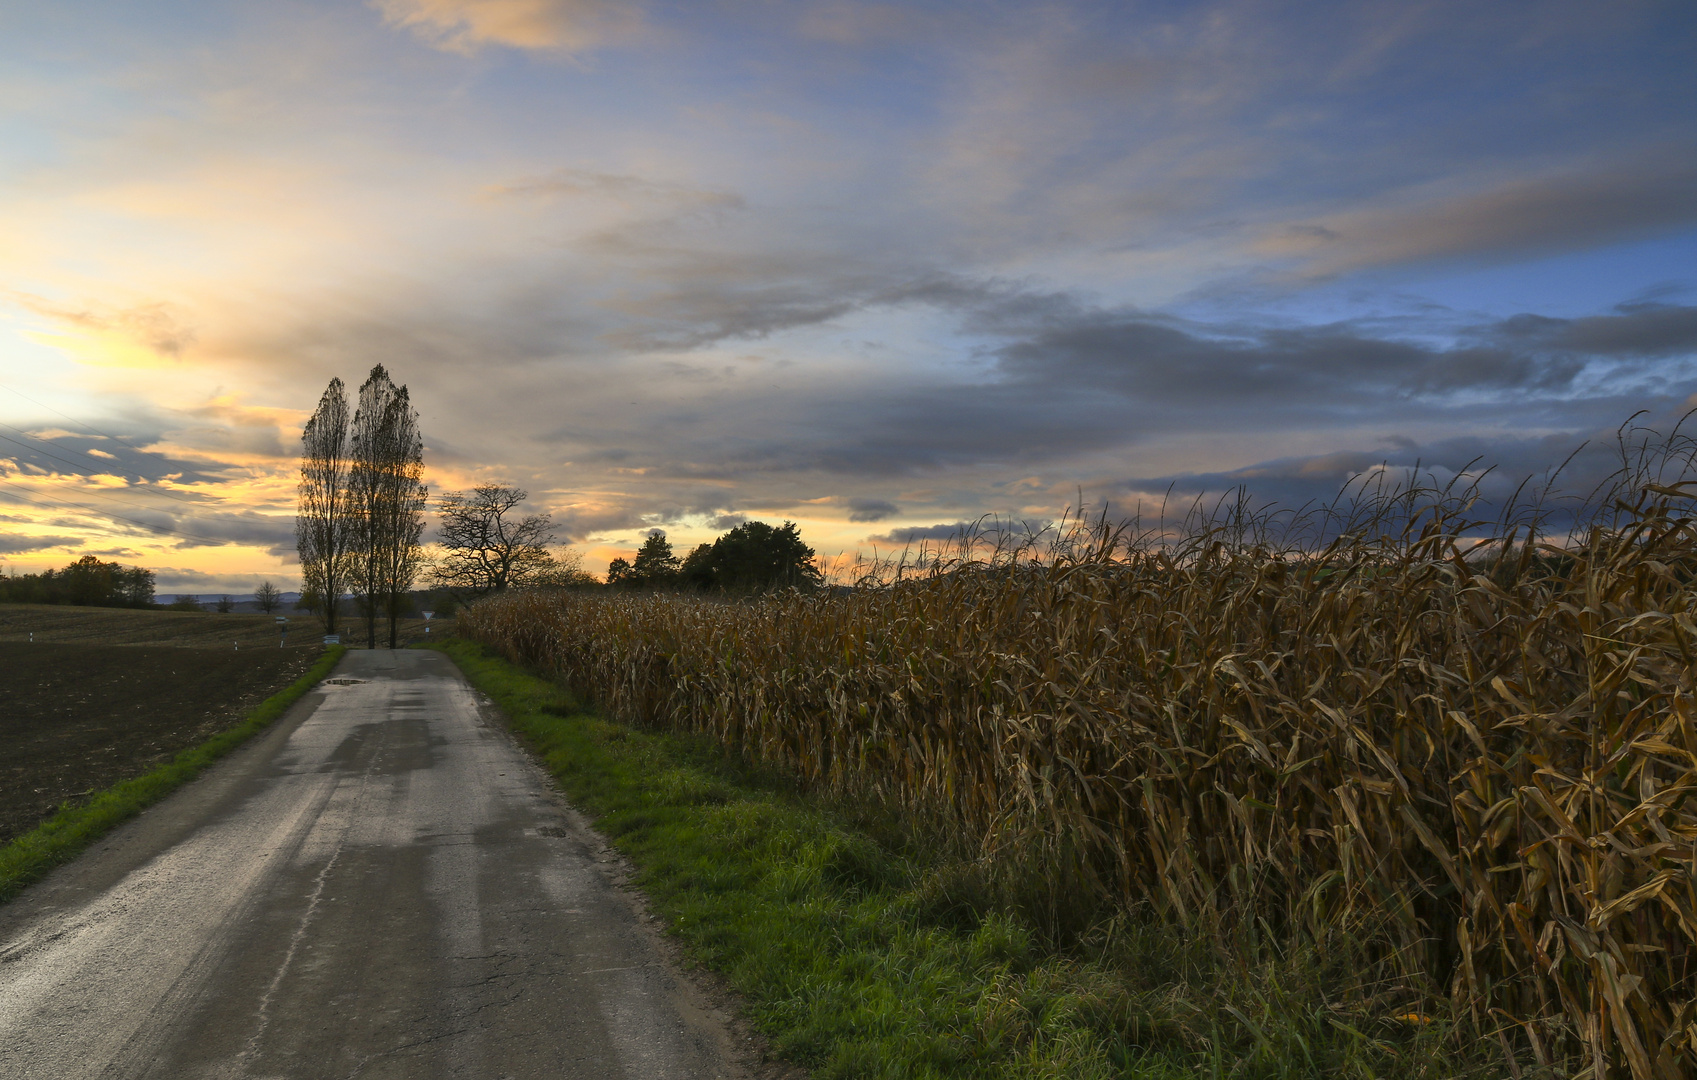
(64, 835)
(859, 959)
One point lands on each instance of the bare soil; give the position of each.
(75, 719)
(203, 629)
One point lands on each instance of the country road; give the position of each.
(380, 885)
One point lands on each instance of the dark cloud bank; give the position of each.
(1061, 379)
(1060, 388)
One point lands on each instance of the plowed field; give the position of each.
(78, 718)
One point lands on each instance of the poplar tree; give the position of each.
(324, 531)
(403, 553)
(388, 496)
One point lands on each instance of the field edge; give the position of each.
(811, 923)
(855, 959)
(72, 829)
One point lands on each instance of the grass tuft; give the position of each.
(67, 833)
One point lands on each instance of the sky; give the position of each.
(876, 268)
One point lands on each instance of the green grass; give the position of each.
(64, 835)
(858, 958)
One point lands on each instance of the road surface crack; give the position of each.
(264, 1012)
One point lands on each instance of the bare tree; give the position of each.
(563, 570)
(267, 597)
(485, 550)
(389, 498)
(324, 519)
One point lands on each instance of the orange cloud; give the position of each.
(544, 25)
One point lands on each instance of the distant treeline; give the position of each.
(88, 582)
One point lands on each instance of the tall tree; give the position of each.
(486, 547)
(324, 531)
(752, 557)
(405, 527)
(388, 494)
(655, 565)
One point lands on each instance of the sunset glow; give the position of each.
(877, 268)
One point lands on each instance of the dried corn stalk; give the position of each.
(1493, 759)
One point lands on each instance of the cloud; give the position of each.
(871, 509)
(1634, 330)
(578, 523)
(131, 492)
(849, 23)
(135, 459)
(919, 533)
(18, 545)
(177, 576)
(745, 301)
(156, 326)
(1520, 218)
(615, 187)
(275, 533)
(1560, 471)
(463, 26)
(1057, 380)
(960, 232)
(1161, 359)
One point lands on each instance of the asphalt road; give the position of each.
(382, 885)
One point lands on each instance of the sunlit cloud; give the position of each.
(553, 25)
(1515, 219)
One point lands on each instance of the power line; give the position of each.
(91, 473)
(178, 496)
(74, 464)
(119, 439)
(111, 498)
(86, 427)
(151, 527)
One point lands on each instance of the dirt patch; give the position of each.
(78, 718)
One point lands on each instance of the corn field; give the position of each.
(1485, 751)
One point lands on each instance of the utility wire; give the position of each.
(74, 420)
(181, 497)
(150, 526)
(178, 496)
(91, 473)
(119, 439)
(102, 494)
